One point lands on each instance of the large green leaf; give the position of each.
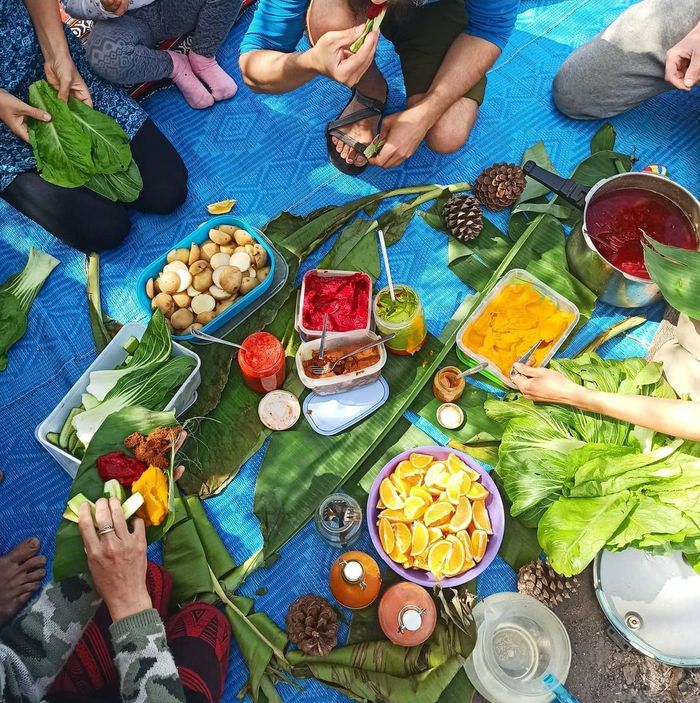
(70, 554)
(61, 147)
(124, 186)
(355, 250)
(109, 143)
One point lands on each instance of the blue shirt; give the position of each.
(278, 25)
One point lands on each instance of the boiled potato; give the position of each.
(164, 303)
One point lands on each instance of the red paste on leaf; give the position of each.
(126, 469)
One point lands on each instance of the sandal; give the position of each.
(372, 108)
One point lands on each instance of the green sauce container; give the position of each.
(402, 316)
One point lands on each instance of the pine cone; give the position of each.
(462, 215)
(500, 185)
(312, 625)
(539, 580)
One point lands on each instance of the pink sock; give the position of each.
(222, 86)
(190, 86)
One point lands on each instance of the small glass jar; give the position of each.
(339, 520)
(262, 362)
(407, 614)
(403, 317)
(355, 580)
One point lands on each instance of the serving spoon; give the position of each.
(319, 370)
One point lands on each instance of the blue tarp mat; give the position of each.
(269, 153)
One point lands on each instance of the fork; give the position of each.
(525, 357)
(329, 366)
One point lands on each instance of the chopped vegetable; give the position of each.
(117, 466)
(114, 489)
(145, 387)
(375, 15)
(17, 294)
(132, 504)
(153, 487)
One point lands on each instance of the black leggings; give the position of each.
(90, 222)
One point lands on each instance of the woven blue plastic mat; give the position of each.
(269, 153)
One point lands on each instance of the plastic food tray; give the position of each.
(346, 382)
(308, 334)
(201, 234)
(515, 276)
(113, 355)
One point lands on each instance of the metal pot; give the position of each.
(612, 285)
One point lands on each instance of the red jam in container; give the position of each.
(262, 362)
(344, 298)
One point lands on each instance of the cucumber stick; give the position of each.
(67, 430)
(114, 489)
(53, 438)
(132, 504)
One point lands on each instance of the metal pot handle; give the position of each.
(571, 191)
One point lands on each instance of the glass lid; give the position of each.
(653, 602)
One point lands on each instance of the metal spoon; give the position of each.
(329, 366)
(473, 370)
(207, 337)
(322, 344)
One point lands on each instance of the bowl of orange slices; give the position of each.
(435, 516)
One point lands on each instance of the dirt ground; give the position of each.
(603, 673)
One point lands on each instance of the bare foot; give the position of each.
(374, 86)
(21, 571)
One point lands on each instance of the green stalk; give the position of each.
(98, 320)
(26, 284)
(621, 327)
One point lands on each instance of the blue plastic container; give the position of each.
(200, 235)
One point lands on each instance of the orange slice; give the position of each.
(420, 538)
(421, 562)
(436, 512)
(479, 541)
(437, 475)
(465, 539)
(473, 474)
(386, 535)
(437, 556)
(389, 495)
(414, 508)
(398, 556)
(462, 516)
(402, 485)
(481, 517)
(402, 535)
(435, 533)
(421, 461)
(454, 487)
(407, 470)
(394, 515)
(456, 559)
(221, 207)
(466, 484)
(476, 491)
(455, 464)
(421, 492)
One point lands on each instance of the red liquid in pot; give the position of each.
(615, 222)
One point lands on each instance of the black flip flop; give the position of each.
(372, 108)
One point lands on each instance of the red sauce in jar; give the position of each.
(262, 362)
(615, 222)
(345, 299)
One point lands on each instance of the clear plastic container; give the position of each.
(519, 276)
(410, 333)
(309, 333)
(348, 381)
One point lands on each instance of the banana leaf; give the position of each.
(386, 673)
(677, 273)
(70, 556)
(355, 250)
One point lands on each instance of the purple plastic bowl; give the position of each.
(494, 505)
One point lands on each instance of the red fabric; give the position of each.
(91, 667)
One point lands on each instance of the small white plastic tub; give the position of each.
(348, 381)
(519, 276)
(112, 356)
(307, 333)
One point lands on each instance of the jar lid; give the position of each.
(353, 571)
(450, 416)
(653, 601)
(407, 614)
(279, 410)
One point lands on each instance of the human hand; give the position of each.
(116, 7)
(117, 558)
(63, 75)
(331, 57)
(403, 133)
(683, 62)
(546, 385)
(14, 113)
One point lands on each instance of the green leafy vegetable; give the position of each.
(17, 294)
(61, 147)
(590, 482)
(81, 146)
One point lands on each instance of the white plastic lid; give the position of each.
(653, 602)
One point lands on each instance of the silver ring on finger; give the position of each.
(105, 530)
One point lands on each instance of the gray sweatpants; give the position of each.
(123, 50)
(625, 64)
